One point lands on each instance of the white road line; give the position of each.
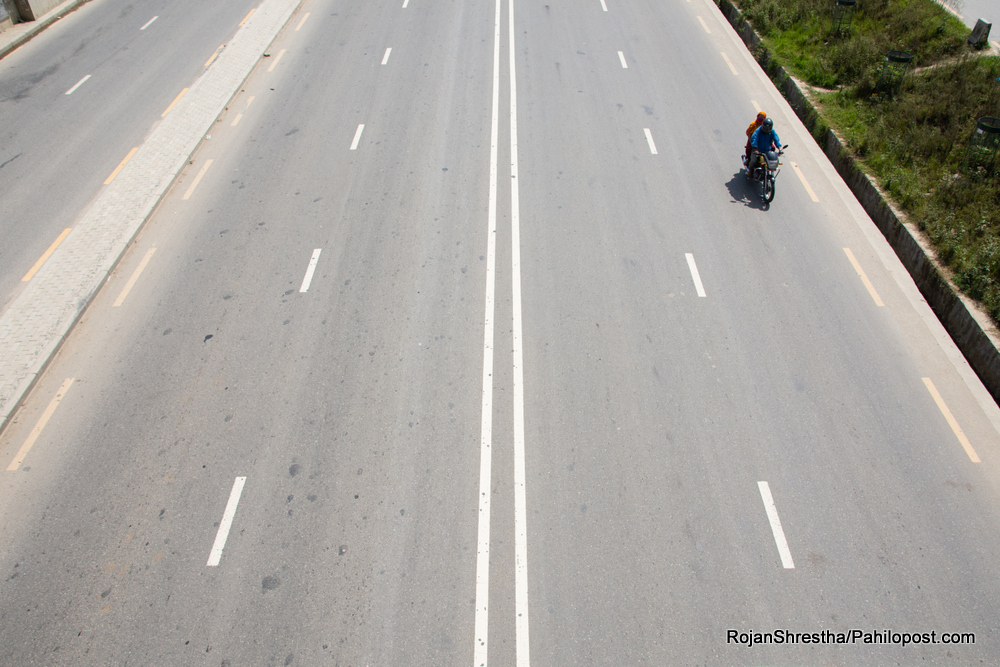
(695, 276)
(42, 421)
(522, 644)
(621, 57)
(779, 534)
(732, 68)
(649, 140)
(755, 106)
(864, 278)
(197, 180)
(385, 58)
(952, 422)
(481, 644)
(240, 115)
(149, 22)
(805, 183)
(135, 276)
(310, 270)
(276, 59)
(405, 2)
(302, 22)
(704, 25)
(604, 6)
(78, 84)
(227, 522)
(357, 136)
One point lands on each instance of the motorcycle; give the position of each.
(765, 171)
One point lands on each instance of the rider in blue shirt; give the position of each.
(765, 138)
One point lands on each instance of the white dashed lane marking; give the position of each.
(42, 421)
(310, 270)
(695, 276)
(357, 136)
(952, 422)
(864, 278)
(776, 530)
(805, 183)
(197, 179)
(227, 522)
(78, 84)
(732, 68)
(276, 59)
(240, 115)
(135, 276)
(649, 140)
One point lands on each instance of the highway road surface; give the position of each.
(465, 341)
(970, 11)
(77, 98)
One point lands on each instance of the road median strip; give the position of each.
(40, 318)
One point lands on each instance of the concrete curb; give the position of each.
(17, 36)
(970, 328)
(34, 326)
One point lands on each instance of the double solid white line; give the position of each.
(481, 643)
(482, 626)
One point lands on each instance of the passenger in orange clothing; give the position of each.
(757, 122)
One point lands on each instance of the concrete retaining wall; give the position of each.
(29, 10)
(972, 331)
(40, 7)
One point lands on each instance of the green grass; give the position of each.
(798, 33)
(913, 142)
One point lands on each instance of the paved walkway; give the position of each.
(37, 322)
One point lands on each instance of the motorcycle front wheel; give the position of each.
(769, 189)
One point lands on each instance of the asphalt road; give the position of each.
(973, 10)
(766, 456)
(58, 149)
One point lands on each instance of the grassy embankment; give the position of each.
(914, 141)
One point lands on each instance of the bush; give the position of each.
(798, 32)
(915, 143)
(914, 140)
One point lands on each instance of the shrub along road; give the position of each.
(390, 309)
